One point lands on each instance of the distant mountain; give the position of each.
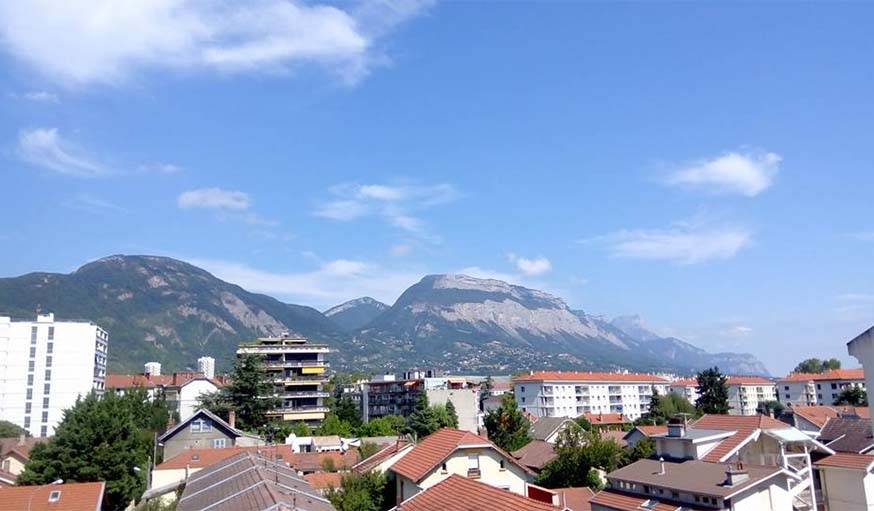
(675, 349)
(157, 308)
(356, 314)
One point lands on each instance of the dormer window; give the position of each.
(54, 496)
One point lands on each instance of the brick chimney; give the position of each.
(232, 419)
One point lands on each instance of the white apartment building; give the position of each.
(206, 366)
(746, 393)
(45, 365)
(818, 389)
(687, 388)
(571, 394)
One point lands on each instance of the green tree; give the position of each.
(424, 420)
(10, 430)
(346, 411)
(584, 423)
(772, 406)
(662, 408)
(852, 396)
(332, 425)
(383, 426)
(368, 449)
(300, 428)
(248, 394)
(643, 449)
(453, 415)
(579, 453)
(359, 492)
(816, 366)
(507, 426)
(712, 392)
(102, 439)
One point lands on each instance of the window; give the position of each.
(443, 467)
(51, 333)
(522, 388)
(818, 386)
(50, 347)
(26, 422)
(7, 465)
(675, 495)
(45, 416)
(523, 399)
(29, 393)
(473, 465)
(785, 387)
(45, 402)
(834, 385)
(48, 374)
(502, 465)
(32, 351)
(33, 335)
(44, 431)
(55, 495)
(27, 407)
(200, 426)
(48, 361)
(787, 396)
(218, 443)
(30, 379)
(31, 365)
(47, 388)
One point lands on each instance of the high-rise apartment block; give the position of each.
(45, 365)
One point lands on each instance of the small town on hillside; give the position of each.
(281, 430)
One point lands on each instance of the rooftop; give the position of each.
(605, 418)
(544, 427)
(691, 476)
(126, 381)
(818, 415)
(380, 456)
(835, 374)
(305, 462)
(589, 376)
(535, 454)
(69, 497)
(847, 434)
(743, 426)
(19, 445)
(456, 493)
(847, 460)
(623, 502)
(749, 380)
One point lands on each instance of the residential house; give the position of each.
(248, 481)
(451, 451)
(607, 421)
(535, 454)
(386, 395)
(847, 482)
(182, 390)
(813, 418)
(459, 493)
(53, 497)
(807, 389)
(324, 481)
(695, 485)
(15, 453)
(686, 388)
(746, 393)
(638, 433)
(382, 460)
(204, 430)
(848, 434)
(571, 394)
(748, 441)
(548, 429)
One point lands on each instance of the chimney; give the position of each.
(735, 475)
(661, 466)
(21, 439)
(676, 430)
(232, 419)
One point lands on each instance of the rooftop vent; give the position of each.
(736, 474)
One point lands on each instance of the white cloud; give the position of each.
(214, 198)
(161, 168)
(38, 96)
(683, 243)
(393, 203)
(531, 267)
(99, 41)
(735, 173)
(44, 147)
(486, 273)
(330, 283)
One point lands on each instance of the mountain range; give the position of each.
(158, 308)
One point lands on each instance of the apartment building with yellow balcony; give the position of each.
(298, 369)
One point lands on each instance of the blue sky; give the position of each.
(707, 166)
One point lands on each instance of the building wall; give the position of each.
(690, 392)
(164, 477)
(15, 466)
(818, 392)
(573, 398)
(187, 439)
(773, 498)
(511, 477)
(466, 403)
(745, 399)
(188, 395)
(847, 490)
(69, 365)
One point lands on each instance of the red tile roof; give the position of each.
(324, 480)
(575, 499)
(535, 454)
(73, 497)
(748, 380)
(836, 374)
(456, 493)
(126, 381)
(436, 447)
(305, 461)
(652, 430)
(19, 446)
(688, 382)
(847, 460)
(378, 457)
(743, 425)
(605, 418)
(587, 376)
(616, 501)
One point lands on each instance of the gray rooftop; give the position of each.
(546, 426)
(693, 434)
(691, 476)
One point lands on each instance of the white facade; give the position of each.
(818, 389)
(45, 365)
(573, 394)
(466, 402)
(685, 388)
(206, 366)
(745, 394)
(152, 368)
(190, 393)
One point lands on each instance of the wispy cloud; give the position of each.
(38, 96)
(330, 283)
(530, 267)
(92, 41)
(44, 147)
(746, 174)
(161, 168)
(93, 204)
(395, 204)
(683, 243)
(214, 198)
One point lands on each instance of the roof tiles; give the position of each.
(590, 376)
(71, 497)
(457, 493)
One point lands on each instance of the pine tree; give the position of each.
(248, 394)
(423, 421)
(712, 392)
(453, 415)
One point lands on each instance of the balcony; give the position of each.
(303, 393)
(273, 364)
(299, 409)
(280, 348)
(473, 473)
